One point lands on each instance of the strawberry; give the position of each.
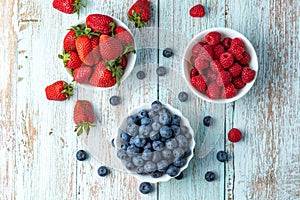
(139, 13)
(197, 11)
(59, 91)
(234, 135)
(101, 76)
(102, 24)
(110, 48)
(83, 116)
(123, 62)
(82, 74)
(71, 60)
(68, 6)
(248, 74)
(123, 35)
(198, 83)
(69, 41)
(84, 49)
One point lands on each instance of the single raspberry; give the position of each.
(224, 78)
(198, 83)
(213, 91)
(201, 64)
(227, 42)
(213, 38)
(211, 75)
(194, 72)
(248, 74)
(218, 50)
(237, 41)
(226, 60)
(216, 66)
(236, 51)
(245, 59)
(197, 11)
(234, 135)
(207, 52)
(235, 70)
(229, 91)
(238, 82)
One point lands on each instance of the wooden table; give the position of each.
(38, 146)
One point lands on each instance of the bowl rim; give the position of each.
(184, 122)
(250, 50)
(131, 59)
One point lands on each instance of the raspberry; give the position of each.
(229, 91)
(224, 78)
(248, 74)
(198, 83)
(213, 38)
(194, 72)
(218, 50)
(211, 75)
(216, 66)
(227, 42)
(226, 60)
(236, 51)
(200, 64)
(234, 135)
(207, 52)
(196, 49)
(245, 59)
(213, 91)
(197, 11)
(237, 41)
(235, 70)
(238, 82)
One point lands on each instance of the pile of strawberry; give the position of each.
(96, 52)
(220, 66)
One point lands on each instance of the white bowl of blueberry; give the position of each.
(155, 142)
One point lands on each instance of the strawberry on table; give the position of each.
(99, 23)
(71, 60)
(123, 36)
(59, 91)
(140, 13)
(101, 76)
(83, 116)
(68, 6)
(69, 41)
(110, 48)
(82, 74)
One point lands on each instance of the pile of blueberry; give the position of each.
(154, 142)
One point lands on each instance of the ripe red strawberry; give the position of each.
(71, 60)
(110, 48)
(234, 135)
(83, 116)
(213, 38)
(226, 60)
(248, 74)
(69, 41)
(82, 74)
(229, 91)
(197, 11)
(198, 83)
(101, 76)
(218, 50)
(194, 72)
(216, 66)
(213, 91)
(68, 6)
(59, 91)
(227, 42)
(139, 13)
(99, 23)
(235, 70)
(245, 59)
(201, 64)
(238, 82)
(84, 49)
(224, 78)
(123, 36)
(123, 62)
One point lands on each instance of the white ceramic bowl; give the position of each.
(225, 32)
(130, 59)
(184, 122)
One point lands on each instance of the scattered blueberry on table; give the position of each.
(161, 71)
(183, 96)
(222, 156)
(179, 177)
(145, 188)
(168, 52)
(210, 176)
(207, 120)
(103, 171)
(140, 75)
(115, 100)
(81, 155)
(113, 142)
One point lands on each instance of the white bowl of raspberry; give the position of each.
(106, 60)
(155, 142)
(220, 65)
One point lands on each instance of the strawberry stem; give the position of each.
(136, 18)
(65, 57)
(76, 6)
(84, 31)
(68, 90)
(83, 126)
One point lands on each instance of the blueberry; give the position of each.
(222, 156)
(162, 166)
(132, 150)
(154, 135)
(168, 52)
(156, 126)
(183, 96)
(113, 142)
(156, 106)
(210, 176)
(81, 155)
(179, 177)
(175, 129)
(148, 145)
(124, 146)
(165, 118)
(176, 120)
(165, 132)
(161, 71)
(132, 140)
(179, 162)
(184, 129)
(138, 161)
(188, 135)
(167, 154)
(140, 75)
(147, 154)
(145, 121)
(182, 141)
(172, 171)
(131, 120)
(103, 171)
(156, 174)
(145, 130)
(125, 137)
(129, 165)
(140, 141)
(207, 120)
(171, 143)
(187, 153)
(142, 113)
(155, 118)
(122, 154)
(156, 157)
(178, 152)
(150, 167)
(151, 113)
(158, 145)
(145, 188)
(132, 129)
(140, 170)
(114, 100)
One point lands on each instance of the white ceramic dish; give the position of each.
(225, 32)
(148, 178)
(130, 59)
